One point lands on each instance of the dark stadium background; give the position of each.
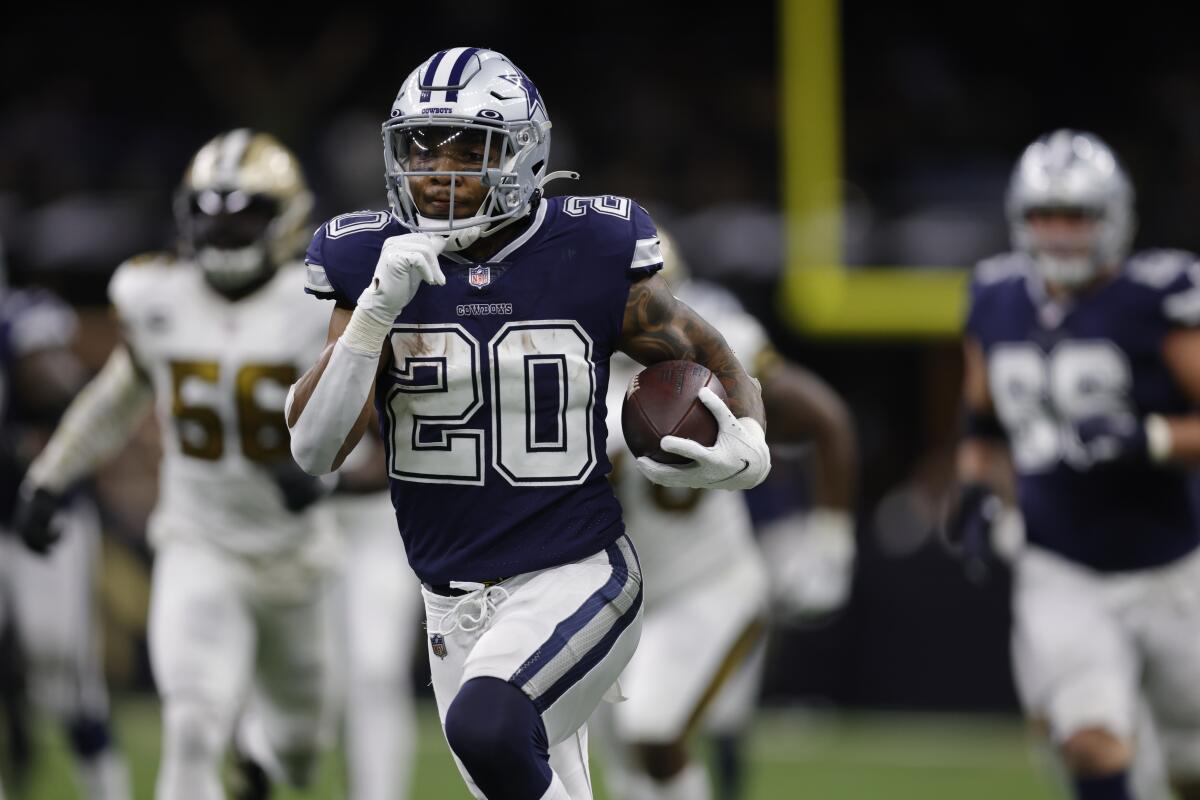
(676, 106)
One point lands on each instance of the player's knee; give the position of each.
(662, 761)
(89, 735)
(1096, 751)
(191, 732)
(492, 726)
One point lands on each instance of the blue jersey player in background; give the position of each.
(479, 317)
(47, 603)
(1083, 368)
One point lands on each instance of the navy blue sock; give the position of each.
(89, 736)
(729, 762)
(1109, 787)
(498, 735)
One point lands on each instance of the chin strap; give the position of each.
(464, 238)
(562, 173)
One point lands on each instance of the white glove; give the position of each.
(810, 562)
(738, 460)
(405, 262)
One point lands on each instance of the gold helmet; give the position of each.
(242, 208)
(674, 270)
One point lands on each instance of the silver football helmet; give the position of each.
(1072, 171)
(242, 208)
(481, 99)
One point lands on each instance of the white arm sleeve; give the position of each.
(342, 390)
(96, 426)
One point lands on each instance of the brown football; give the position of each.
(661, 401)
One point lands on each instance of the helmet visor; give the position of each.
(446, 149)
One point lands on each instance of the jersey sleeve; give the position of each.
(128, 290)
(1180, 303)
(987, 274)
(316, 280)
(340, 260)
(647, 252)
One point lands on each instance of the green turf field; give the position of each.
(794, 755)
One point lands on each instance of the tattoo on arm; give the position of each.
(657, 327)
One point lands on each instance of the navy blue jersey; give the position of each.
(492, 408)
(1051, 364)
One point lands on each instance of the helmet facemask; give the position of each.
(1066, 244)
(242, 210)
(443, 155)
(229, 234)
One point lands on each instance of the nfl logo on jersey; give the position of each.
(437, 643)
(480, 276)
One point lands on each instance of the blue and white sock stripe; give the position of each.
(581, 640)
(445, 71)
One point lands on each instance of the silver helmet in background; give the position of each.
(1072, 172)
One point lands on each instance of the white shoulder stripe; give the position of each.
(316, 279)
(232, 151)
(446, 66)
(1183, 307)
(646, 253)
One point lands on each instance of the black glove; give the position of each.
(967, 529)
(34, 521)
(300, 490)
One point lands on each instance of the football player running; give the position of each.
(1083, 366)
(212, 340)
(709, 593)
(50, 600)
(479, 317)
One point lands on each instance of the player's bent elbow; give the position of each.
(312, 455)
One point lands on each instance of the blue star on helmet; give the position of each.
(533, 99)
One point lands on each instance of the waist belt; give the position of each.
(448, 590)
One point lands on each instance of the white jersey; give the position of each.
(684, 535)
(221, 371)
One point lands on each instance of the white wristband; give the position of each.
(366, 331)
(1158, 438)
